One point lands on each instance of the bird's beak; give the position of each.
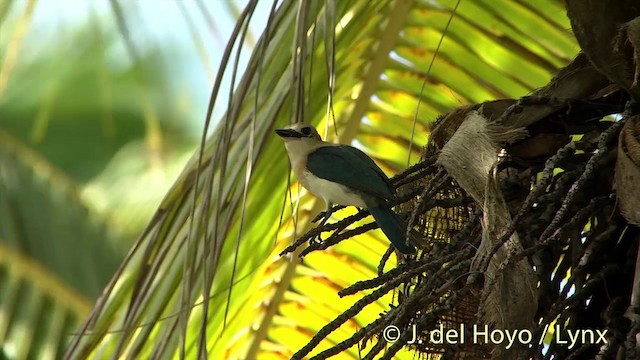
(288, 133)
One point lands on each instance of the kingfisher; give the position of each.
(344, 175)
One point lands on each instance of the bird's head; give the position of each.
(299, 132)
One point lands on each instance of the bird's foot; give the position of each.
(320, 216)
(316, 240)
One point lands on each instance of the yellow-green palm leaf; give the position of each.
(228, 216)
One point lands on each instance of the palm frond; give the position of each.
(370, 60)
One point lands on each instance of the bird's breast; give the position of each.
(330, 191)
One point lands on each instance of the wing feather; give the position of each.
(350, 167)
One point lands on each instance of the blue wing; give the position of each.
(351, 167)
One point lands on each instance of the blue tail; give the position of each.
(393, 227)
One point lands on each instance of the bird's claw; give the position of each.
(319, 217)
(316, 240)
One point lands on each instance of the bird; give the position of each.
(343, 175)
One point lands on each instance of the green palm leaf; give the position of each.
(66, 116)
(220, 224)
(55, 254)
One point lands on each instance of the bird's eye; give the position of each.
(306, 130)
